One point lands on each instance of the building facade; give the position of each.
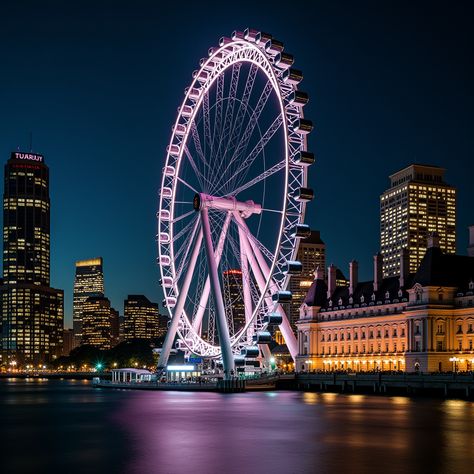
(97, 322)
(418, 203)
(421, 321)
(31, 311)
(312, 254)
(141, 318)
(234, 299)
(88, 282)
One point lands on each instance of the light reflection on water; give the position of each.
(68, 426)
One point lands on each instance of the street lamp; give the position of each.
(454, 360)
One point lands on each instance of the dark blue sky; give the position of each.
(98, 84)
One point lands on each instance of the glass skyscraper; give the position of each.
(142, 318)
(418, 203)
(31, 311)
(88, 282)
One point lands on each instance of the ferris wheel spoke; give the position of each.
(261, 177)
(183, 231)
(200, 177)
(181, 180)
(253, 121)
(218, 111)
(229, 112)
(246, 164)
(197, 144)
(185, 247)
(207, 122)
(242, 110)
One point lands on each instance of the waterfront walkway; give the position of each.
(410, 384)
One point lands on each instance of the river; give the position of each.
(69, 427)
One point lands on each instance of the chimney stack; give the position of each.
(331, 280)
(433, 240)
(470, 247)
(378, 269)
(404, 266)
(353, 276)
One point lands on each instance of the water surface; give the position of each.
(67, 426)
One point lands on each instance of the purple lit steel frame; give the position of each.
(270, 276)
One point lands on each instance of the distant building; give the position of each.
(68, 342)
(418, 203)
(312, 254)
(142, 319)
(96, 322)
(89, 281)
(114, 327)
(422, 321)
(233, 299)
(31, 311)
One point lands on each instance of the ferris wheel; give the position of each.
(232, 202)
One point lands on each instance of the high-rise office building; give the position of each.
(312, 254)
(142, 319)
(233, 299)
(31, 311)
(114, 327)
(88, 282)
(96, 322)
(418, 203)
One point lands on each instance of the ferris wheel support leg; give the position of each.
(285, 326)
(244, 265)
(221, 321)
(197, 323)
(178, 309)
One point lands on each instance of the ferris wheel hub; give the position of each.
(228, 204)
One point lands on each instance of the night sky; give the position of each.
(98, 85)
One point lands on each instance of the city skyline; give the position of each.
(108, 146)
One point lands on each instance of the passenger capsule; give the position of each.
(292, 76)
(194, 93)
(284, 60)
(274, 46)
(173, 150)
(169, 302)
(252, 363)
(262, 337)
(293, 267)
(165, 260)
(236, 35)
(304, 194)
(304, 158)
(224, 40)
(164, 237)
(186, 111)
(239, 361)
(179, 129)
(282, 296)
(273, 319)
(250, 34)
(304, 126)
(164, 215)
(301, 231)
(166, 192)
(262, 38)
(299, 98)
(250, 351)
(167, 282)
(169, 170)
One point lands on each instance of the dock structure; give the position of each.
(448, 385)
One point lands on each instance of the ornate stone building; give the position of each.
(421, 321)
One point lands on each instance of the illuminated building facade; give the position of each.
(312, 254)
(234, 300)
(418, 203)
(88, 282)
(114, 327)
(31, 311)
(421, 321)
(96, 322)
(142, 318)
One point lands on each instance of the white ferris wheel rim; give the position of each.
(234, 51)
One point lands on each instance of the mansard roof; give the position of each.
(440, 269)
